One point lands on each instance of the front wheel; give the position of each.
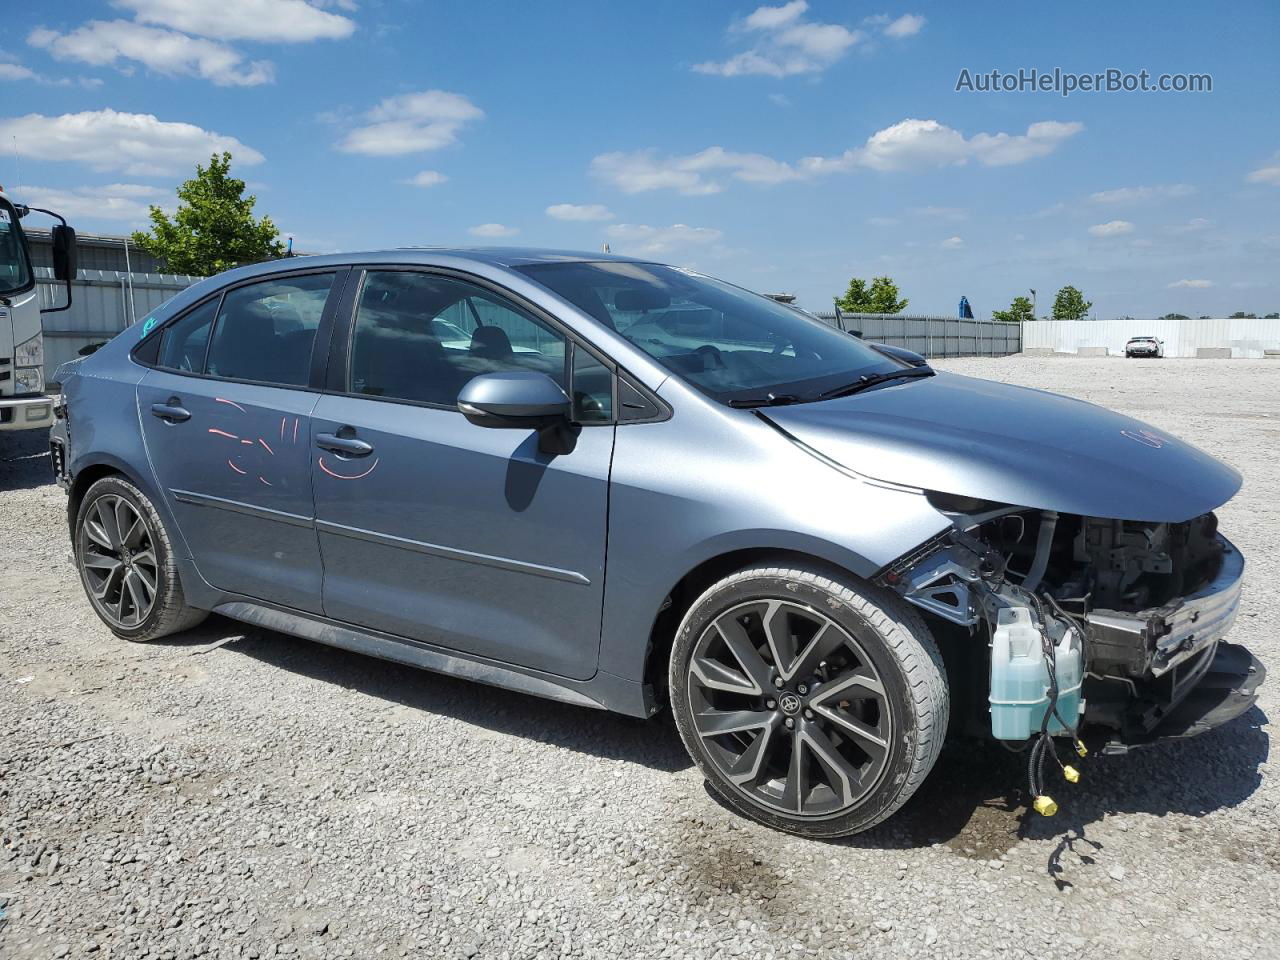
(811, 702)
(126, 563)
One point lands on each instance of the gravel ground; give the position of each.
(244, 794)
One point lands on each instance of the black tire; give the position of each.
(892, 669)
(157, 575)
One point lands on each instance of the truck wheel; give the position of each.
(812, 702)
(126, 564)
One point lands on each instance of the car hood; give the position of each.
(1015, 445)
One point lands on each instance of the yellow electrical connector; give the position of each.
(1071, 773)
(1044, 806)
(1081, 749)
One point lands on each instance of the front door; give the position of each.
(440, 531)
(227, 421)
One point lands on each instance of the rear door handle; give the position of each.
(347, 446)
(171, 411)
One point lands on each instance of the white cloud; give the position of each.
(16, 71)
(579, 211)
(643, 170)
(1268, 174)
(1193, 284)
(492, 230)
(135, 143)
(129, 202)
(771, 18)
(907, 25)
(412, 123)
(780, 99)
(427, 178)
(1143, 194)
(103, 43)
(952, 243)
(642, 240)
(928, 143)
(911, 143)
(786, 44)
(279, 21)
(1112, 228)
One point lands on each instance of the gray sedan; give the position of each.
(628, 486)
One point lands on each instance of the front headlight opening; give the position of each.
(28, 380)
(29, 353)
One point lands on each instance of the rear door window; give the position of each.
(265, 331)
(186, 341)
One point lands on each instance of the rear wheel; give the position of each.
(811, 702)
(126, 564)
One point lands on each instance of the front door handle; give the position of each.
(171, 411)
(347, 446)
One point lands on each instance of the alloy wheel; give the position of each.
(117, 557)
(790, 708)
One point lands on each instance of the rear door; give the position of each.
(225, 413)
(440, 531)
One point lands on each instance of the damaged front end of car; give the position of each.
(1104, 630)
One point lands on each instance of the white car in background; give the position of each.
(1144, 347)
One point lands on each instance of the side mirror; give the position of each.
(64, 252)
(89, 349)
(855, 333)
(521, 400)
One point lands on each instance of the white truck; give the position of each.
(23, 402)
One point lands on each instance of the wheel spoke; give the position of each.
(132, 529)
(825, 642)
(97, 561)
(109, 583)
(744, 651)
(857, 683)
(797, 786)
(95, 532)
(147, 581)
(713, 723)
(109, 523)
(745, 769)
(137, 594)
(145, 558)
(840, 773)
(868, 738)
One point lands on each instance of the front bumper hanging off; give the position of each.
(1226, 689)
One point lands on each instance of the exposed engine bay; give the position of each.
(1088, 622)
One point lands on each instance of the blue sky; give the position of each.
(785, 146)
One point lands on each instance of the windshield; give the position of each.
(731, 344)
(15, 268)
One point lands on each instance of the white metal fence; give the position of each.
(1182, 338)
(103, 302)
(932, 336)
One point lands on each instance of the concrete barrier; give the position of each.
(1038, 351)
(1092, 351)
(1213, 353)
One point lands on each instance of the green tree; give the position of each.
(1241, 315)
(1175, 316)
(213, 229)
(880, 297)
(1019, 311)
(1070, 304)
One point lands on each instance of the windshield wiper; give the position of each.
(768, 400)
(871, 380)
